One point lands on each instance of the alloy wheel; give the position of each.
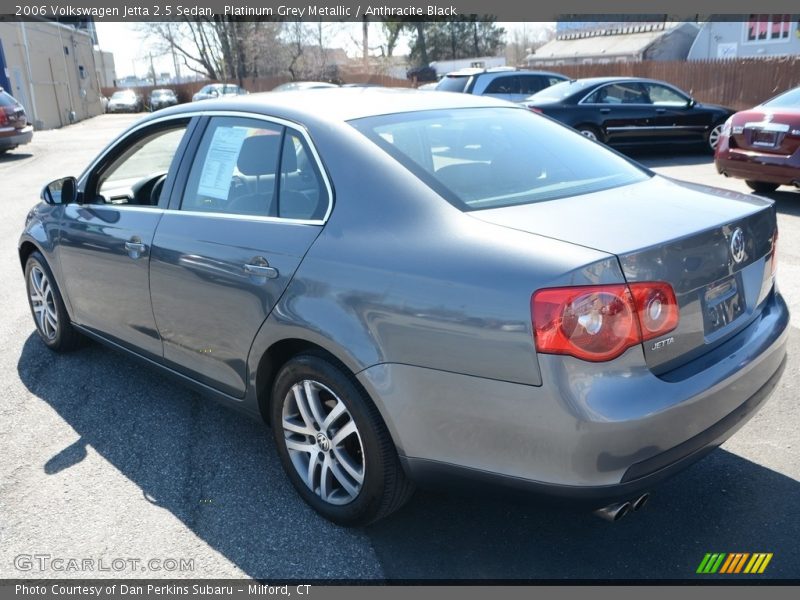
(589, 134)
(713, 137)
(43, 303)
(323, 442)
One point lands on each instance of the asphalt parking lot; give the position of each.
(101, 458)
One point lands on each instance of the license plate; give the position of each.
(723, 304)
(764, 138)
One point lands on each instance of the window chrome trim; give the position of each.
(201, 213)
(297, 127)
(245, 217)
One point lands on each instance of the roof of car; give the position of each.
(338, 104)
(466, 72)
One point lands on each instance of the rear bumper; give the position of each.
(16, 137)
(638, 478)
(758, 166)
(592, 432)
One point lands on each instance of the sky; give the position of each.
(131, 50)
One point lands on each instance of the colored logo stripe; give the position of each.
(734, 562)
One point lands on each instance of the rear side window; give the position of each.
(494, 157)
(530, 84)
(252, 167)
(453, 84)
(503, 85)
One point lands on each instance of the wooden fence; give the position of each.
(736, 83)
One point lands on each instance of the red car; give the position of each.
(762, 145)
(14, 127)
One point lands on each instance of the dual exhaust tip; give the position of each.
(614, 512)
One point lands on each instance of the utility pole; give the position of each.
(153, 69)
(365, 42)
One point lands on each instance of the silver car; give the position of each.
(419, 288)
(218, 90)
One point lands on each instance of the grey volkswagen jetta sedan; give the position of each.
(415, 288)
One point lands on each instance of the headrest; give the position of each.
(259, 155)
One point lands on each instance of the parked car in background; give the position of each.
(491, 296)
(14, 127)
(629, 111)
(762, 145)
(125, 101)
(162, 98)
(104, 103)
(303, 85)
(506, 83)
(218, 90)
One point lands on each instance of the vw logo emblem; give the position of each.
(737, 245)
(323, 442)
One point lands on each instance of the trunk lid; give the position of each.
(767, 131)
(713, 246)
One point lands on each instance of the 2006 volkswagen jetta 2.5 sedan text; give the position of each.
(415, 287)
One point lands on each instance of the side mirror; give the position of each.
(214, 93)
(60, 191)
(691, 103)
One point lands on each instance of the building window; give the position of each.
(764, 28)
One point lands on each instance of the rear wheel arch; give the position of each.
(594, 129)
(277, 355)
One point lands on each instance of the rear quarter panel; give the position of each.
(398, 275)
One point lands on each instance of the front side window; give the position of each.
(253, 167)
(494, 157)
(619, 93)
(661, 95)
(133, 177)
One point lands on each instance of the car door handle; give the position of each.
(135, 248)
(261, 270)
(605, 111)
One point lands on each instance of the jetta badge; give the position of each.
(737, 245)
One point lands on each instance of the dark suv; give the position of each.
(14, 127)
(506, 83)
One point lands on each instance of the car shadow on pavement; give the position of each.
(787, 201)
(217, 471)
(10, 157)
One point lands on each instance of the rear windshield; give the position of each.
(453, 83)
(479, 158)
(119, 95)
(790, 99)
(7, 100)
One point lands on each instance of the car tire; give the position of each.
(47, 307)
(712, 138)
(591, 132)
(354, 480)
(761, 187)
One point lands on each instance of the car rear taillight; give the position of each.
(534, 109)
(599, 322)
(3, 116)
